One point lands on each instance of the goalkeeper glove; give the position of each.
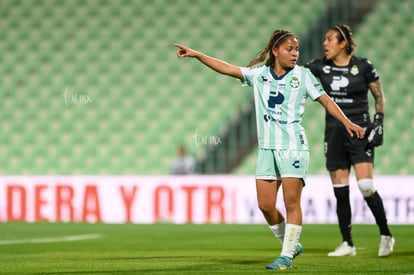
(375, 133)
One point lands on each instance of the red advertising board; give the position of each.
(181, 199)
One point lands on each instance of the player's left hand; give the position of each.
(375, 132)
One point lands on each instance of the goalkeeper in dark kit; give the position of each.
(347, 79)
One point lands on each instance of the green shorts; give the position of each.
(274, 164)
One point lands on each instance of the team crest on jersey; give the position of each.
(354, 70)
(294, 83)
(326, 69)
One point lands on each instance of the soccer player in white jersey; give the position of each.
(280, 90)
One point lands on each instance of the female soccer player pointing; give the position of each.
(280, 90)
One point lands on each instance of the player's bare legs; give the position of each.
(292, 190)
(266, 197)
(363, 170)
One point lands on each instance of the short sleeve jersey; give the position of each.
(280, 104)
(346, 85)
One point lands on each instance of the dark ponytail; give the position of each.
(345, 34)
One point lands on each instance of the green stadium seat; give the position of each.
(121, 54)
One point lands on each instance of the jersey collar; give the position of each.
(278, 77)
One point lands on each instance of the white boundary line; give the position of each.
(72, 238)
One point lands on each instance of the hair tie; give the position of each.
(343, 35)
(277, 41)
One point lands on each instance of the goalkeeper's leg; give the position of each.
(375, 204)
(343, 211)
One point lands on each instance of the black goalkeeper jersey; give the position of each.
(347, 86)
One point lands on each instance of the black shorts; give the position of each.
(342, 151)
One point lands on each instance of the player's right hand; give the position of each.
(183, 51)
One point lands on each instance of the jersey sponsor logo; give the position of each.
(343, 100)
(268, 118)
(339, 82)
(275, 98)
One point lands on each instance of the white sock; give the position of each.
(278, 230)
(292, 235)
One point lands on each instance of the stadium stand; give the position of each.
(94, 87)
(388, 45)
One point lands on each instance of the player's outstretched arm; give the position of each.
(215, 64)
(336, 112)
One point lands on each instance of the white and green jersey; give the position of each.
(280, 104)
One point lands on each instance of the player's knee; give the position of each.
(366, 186)
(266, 206)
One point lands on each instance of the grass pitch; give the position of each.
(57, 248)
